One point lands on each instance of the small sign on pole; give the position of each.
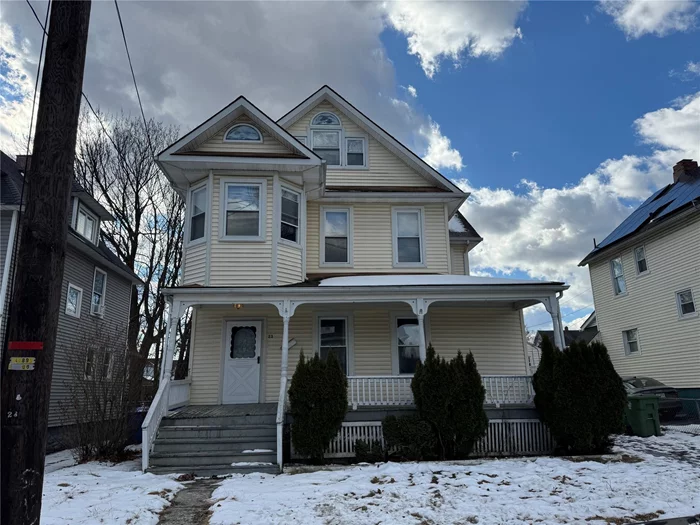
(25, 345)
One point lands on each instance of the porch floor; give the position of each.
(252, 409)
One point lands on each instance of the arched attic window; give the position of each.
(325, 119)
(243, 133)
(325, 137)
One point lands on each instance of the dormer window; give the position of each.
(86, 225)
(243, 133)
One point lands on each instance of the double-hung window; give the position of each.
(336, 242)
(244, 210)
(325, 137)
(333, 339)
(198, 213)
(355, 152)
(686, 303)
(408, 237)
(74, 298)
(86, 224)
(106, 371)
(640, 259)
(631, 340)
(618, 276)
(289, 221)
(89, 363)
(99, 288)
(407, 344)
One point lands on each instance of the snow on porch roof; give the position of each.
(426, 280)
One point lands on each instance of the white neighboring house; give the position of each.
(646, 286)
(322, 233)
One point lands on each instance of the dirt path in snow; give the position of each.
(191, 505)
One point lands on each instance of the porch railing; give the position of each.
(149, 428)
(179, 394)
(366, 391)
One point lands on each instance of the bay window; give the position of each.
(243, 210)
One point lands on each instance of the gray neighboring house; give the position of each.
(96, 288)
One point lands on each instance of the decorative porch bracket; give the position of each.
(551, 304)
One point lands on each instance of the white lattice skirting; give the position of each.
(504, 437)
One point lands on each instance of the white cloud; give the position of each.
(514, 154)
(689, 72)
(439, 30)
(412, 91)
(641, 17)
(440, 152)
(575, 324)
(693, 68)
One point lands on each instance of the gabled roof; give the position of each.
(660, 207)
(240, 106)
(590, 322)
(460, 228)
(11, 181)
(570, 336)
(371, 127)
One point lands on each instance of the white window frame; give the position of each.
(327, 129)
(625, 342)
(395, 316)
(349, 335)
(395, 210)
(322, 248)
(239, 141)
(681, 315)
(296, 243)
(617, 293)
(190, 208)
(95, 219)
(636, 261)
(75, 314)
(101, 311)
(262, 216)
(364, 152)
(110, 365)
(94, 355)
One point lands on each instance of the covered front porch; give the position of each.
(246, 342)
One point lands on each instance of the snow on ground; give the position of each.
(96, 493)
(644, 479)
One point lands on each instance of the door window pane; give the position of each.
(243, 342)
(333, 339)
(408, 341)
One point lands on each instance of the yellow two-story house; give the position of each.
(321, 233)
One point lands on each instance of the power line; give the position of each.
(133, 76)
(563, 316)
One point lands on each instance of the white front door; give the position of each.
(242, 362)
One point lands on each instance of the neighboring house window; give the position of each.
(408, 237)
(640, 258)
(244, 210)
(243, 133)
(686, 303)
(106, 370)
(289, 227)
(631, 338)
(407, 344)
(99, 287)
(336, 241)
(355, 152)
(74, 298)
(333, 339)
(325, 140)
(198, 217)
(89, 363)
(619, 285)
(86, 224)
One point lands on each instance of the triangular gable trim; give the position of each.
(241, 103)
(383, 136)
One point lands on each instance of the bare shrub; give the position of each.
(96, 412)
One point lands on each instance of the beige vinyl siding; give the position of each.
(494, 335)
(269, 144)
(195, 260)
(383, 167)
(240, 263)
(372, 240)
(457, 255)
(670, 346)
(289, 263)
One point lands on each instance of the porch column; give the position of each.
(286, 310)
(169, 350)
(420, 308)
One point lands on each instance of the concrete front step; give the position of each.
(215, 470)
(243, 420)
(231, 445)
(219, 458)
(217, 431)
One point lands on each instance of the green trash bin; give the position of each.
(643, 415)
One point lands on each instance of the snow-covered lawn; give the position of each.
(645, 479)
(96, 493)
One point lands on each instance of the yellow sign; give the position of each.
(17, 366)
(22, 360)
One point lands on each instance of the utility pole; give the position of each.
(27, 364)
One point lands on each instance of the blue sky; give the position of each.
(599, 99)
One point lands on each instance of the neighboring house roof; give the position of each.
(11, 181)
(460, 228)
(102, 254)
(570, 336)
(591, 322)
(381, 135)
(78, 191)
(660, 207)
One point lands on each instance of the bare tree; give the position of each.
(120, 171)
(181, 361)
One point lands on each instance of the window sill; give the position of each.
(616, 295)
(643, 274)
(242, 239)
(349, 168)
(409, 265)
(335, 265)
(685, 317)
(289, 243)
(76, 316)
(196, 242)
